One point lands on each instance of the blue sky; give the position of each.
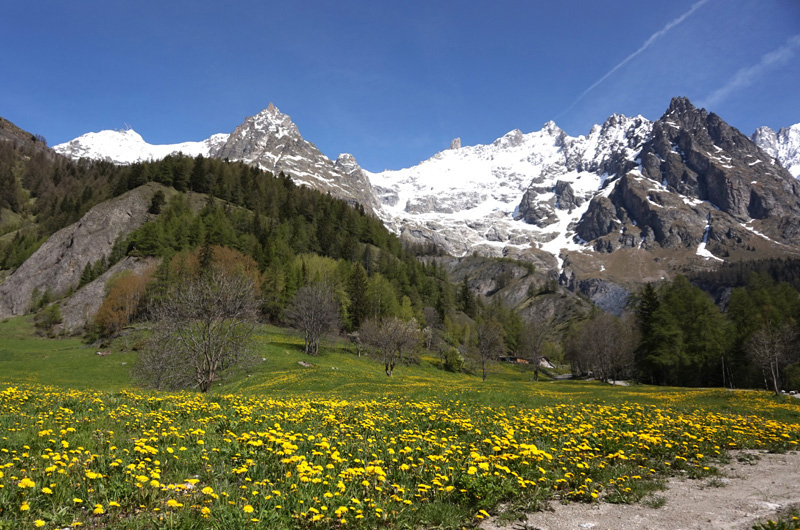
(392, 82)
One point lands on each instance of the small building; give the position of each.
(544, 362)
(513, 360)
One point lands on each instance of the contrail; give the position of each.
(746, 76)
(655, 36)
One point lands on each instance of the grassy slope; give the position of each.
(25, 357)
(339, 373)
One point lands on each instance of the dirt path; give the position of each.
(746, 492)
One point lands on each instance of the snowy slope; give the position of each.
(480, 196)
(128, 147)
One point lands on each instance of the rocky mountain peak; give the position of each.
(456, 143)
(346, 162)
(699, 155)
(271, 141)
(551, 128)
(699, 186)
(766, 139)
(783, 146)
(356, 179)
(510, 139)
(681, 106)
(271, 121)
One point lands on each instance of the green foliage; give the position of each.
(739, 273)
(40, 299)
(510, 320)
(156, 203)
(47, 319)
(683, 335)
(92, 271)
(357, 287)
(453, 360)
(788, 519)
(467, 302)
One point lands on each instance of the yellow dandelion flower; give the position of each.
(38, 523)
(247, 508)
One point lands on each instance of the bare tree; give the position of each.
(770, 348)
(532, 343)
(202, 330)
(391, 337)
(315, 311)
(490, 343)
(604, 345)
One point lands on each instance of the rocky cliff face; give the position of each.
(57, 265)
(697, 179)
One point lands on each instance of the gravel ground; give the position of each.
(753, 487)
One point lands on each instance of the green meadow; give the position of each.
(338, 444)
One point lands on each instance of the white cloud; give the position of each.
(746, 76)
(655, 36)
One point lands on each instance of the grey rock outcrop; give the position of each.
(57, 265)
(608, 296)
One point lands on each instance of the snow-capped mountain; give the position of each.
(631, 201)
(269, 140)
(519, 191)
(128, 147)
(784, 145)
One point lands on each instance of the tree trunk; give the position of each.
(775, 376)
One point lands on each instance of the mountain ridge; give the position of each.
(685, 184)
